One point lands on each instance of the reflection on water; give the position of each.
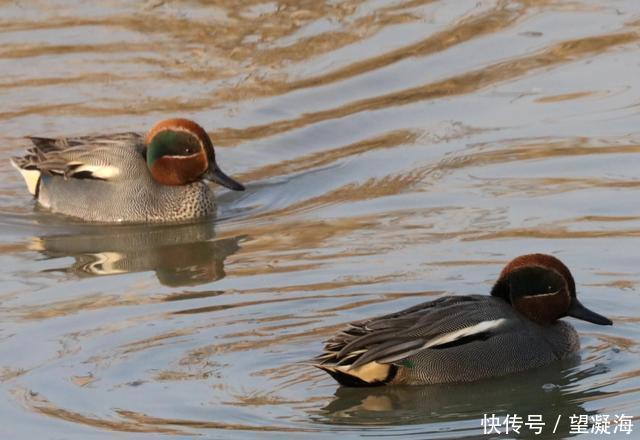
(394, 150)
(545, 392)
(180, 255)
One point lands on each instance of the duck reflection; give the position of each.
(547, 392)
(180, 255)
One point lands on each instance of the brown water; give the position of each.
(393, 151)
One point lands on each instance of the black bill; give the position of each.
(216, 175)
(577, 310)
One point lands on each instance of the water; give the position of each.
(393, 151)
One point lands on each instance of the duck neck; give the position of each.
(501, 290)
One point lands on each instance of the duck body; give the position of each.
(151, 203)
(453, 339)
(464, 338)
(111, 179)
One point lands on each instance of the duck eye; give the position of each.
(190, 147)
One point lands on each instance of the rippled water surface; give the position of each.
(393, 151)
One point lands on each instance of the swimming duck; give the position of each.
(466, 338)
(126, 177)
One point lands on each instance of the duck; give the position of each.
(126, 177)
(466, 338)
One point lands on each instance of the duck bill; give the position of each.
(215, 174)
(577, 310)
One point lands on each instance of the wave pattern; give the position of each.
(394, 151)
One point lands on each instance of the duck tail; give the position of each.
(31, 175)
(369, 375)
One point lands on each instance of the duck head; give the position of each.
(542, 288)
(179, 152)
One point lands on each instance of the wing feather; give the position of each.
(445, 322)
(93, 157)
